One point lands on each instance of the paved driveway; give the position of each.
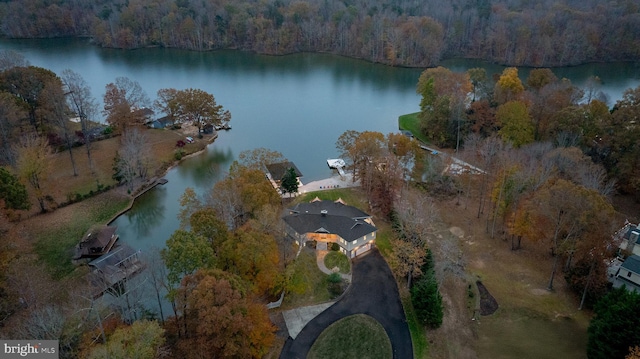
(373, 292)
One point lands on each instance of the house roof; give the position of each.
(329, 217)
(277, 170)
(632, 264)
(96, 242)
(337, 208)
(627, 234)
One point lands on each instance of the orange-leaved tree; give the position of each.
(223, 320)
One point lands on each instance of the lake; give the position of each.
(296, 104)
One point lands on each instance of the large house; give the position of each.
(629, 274)
(331, 222)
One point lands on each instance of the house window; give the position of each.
(355, 242)
(629, 274)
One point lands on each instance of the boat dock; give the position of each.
(337, 163)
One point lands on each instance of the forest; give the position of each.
(394, 32)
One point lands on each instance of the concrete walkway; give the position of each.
(320, 254)
(336, 181)
(296, 319)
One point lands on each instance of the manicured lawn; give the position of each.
(418, 334)
(307, 285)
(411, 122)
(383, 239)
(351, 196)
(357, 336)
(336, 259)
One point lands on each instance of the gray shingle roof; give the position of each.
(332, 208)
(632, 264)
(277, 170)
(340, 219)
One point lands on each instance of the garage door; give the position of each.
(363, 249)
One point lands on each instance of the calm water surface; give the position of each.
(296, 104)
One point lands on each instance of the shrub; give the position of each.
(180, 144)
(107, 130)
(335, 246)
(178, 154)
(335, 284)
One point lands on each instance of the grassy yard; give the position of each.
(351, 196)
(357, 336)
(411, 122)
(418, 333)
(54, 235)
(62, 185)
(336, 259)
(531, 322)
(307, 284)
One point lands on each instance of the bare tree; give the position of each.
(133, 159)
(59, 115)
(81, 102)
(157, 273)
(45, 323)
(416, 216)
(11, 58)
(10, 115)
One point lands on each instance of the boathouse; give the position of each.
(98, 241)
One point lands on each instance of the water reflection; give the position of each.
(148, 211)
(207, 169)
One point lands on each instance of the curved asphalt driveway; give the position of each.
(373, 292)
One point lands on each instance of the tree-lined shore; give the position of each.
(397, 33)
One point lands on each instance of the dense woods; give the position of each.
(458, 109)
(394, 32)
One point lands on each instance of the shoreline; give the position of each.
(149, 186)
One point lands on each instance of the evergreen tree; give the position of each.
(289, 182)
(615, 326)
(427, 300)
(12, 191)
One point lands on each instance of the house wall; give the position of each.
(629, 275)
(323, 237)
(358, 242)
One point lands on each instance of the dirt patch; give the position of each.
(488, 304)
(457, 231)
(539, 291)
(455, 337)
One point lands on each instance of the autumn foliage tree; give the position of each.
(515, 123)
(192, 106)
(222, 318)
(443, 104)
(565, 216)
(123, 101)
(253, 256)
(33, 165)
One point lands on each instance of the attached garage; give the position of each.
(362, 249)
